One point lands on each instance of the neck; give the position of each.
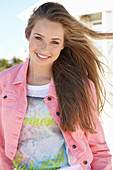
(38, 75)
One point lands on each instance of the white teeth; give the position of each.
(41, 56)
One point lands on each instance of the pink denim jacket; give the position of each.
(89, 149)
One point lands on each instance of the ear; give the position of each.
(62, 48)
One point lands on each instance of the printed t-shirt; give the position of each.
(41, 143)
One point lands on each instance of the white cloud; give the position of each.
(8, 57)
(22, 53)
(3, 54)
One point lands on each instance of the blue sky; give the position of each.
(12, 36)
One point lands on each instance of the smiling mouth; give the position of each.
(42, 56)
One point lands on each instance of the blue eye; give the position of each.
(55, 42)
(38, 38)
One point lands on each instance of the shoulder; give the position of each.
(89, 84)
(8, 74)
(10, 70)
(90, 89)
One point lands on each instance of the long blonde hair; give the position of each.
(77, 64)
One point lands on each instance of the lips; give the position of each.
(42, 56)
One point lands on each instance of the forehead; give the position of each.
(48, 28)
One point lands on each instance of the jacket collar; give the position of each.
(52, 90)
(22, 74)
(22, 77)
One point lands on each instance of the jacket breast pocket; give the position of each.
(8, 101)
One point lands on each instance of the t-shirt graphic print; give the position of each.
(41, 144)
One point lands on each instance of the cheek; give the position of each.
(32, 45)
(56, 51)
(56, 54)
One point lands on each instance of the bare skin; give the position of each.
(45, 44)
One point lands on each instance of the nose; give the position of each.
(44, 47)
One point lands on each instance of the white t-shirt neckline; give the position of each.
(38, 91)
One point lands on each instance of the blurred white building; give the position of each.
(97, 15)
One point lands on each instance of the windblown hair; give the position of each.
(76, 67)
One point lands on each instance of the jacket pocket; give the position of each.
(8, 100)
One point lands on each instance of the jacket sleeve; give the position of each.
(5, 163)
(101, 156)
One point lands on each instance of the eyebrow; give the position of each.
(52, 38)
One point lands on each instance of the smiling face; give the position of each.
(46, 42)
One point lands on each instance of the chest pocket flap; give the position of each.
(8, 100)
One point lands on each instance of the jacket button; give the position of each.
(74, 146)
(5, 97)
(49, 98)
(57, 113)
(85, 162)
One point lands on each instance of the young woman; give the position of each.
(49, 105)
